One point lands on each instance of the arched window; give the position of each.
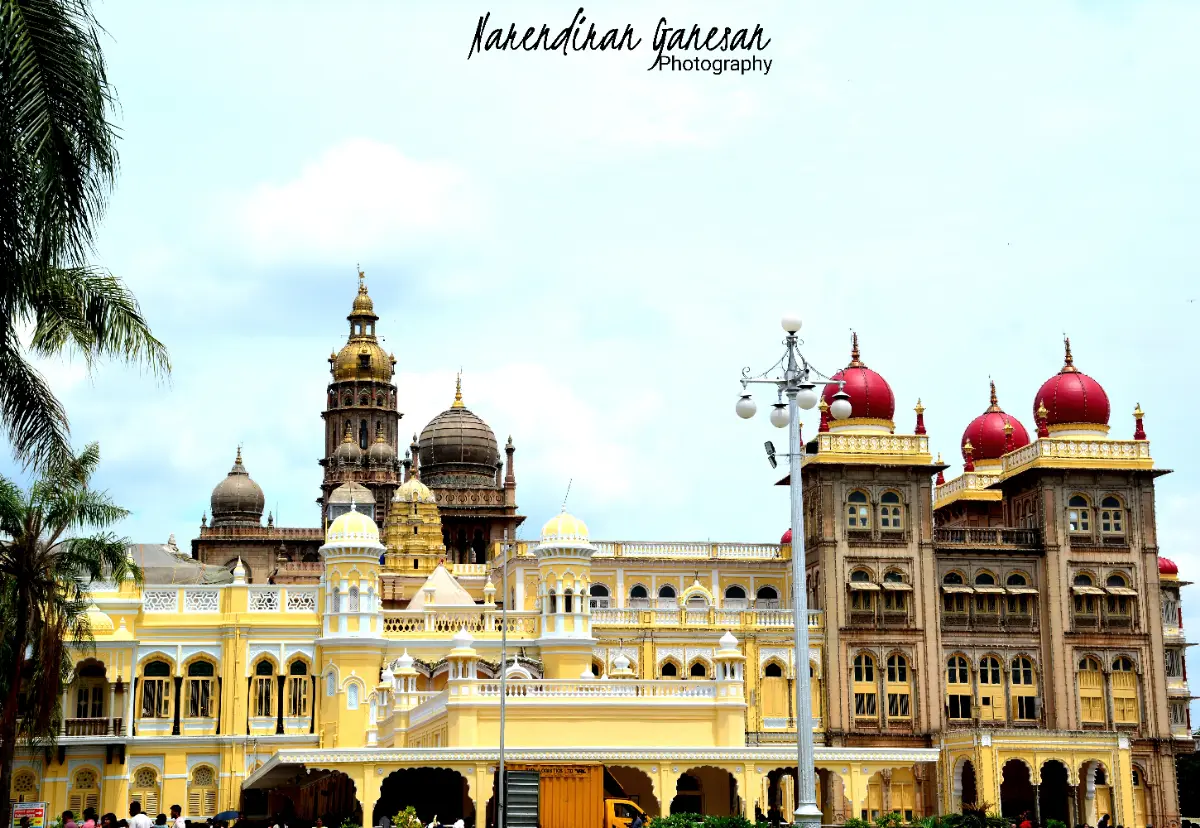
(670, 670)
(363, 400)
(85, 791)
(331, 683)
(335, 599)
(890, 515)
(735, 598)
(156, 690)
(1124, 692)
(297, 689)
(773, 670)
(24, 787)
(1022, 690)
(1016, 579)
(568, 598)
(698, 670)
(958, 688)
(986, 579)
(1119, 608)
(599, 596)
(1079, 515)
(200, 689)
(352, 600)
(767, 597)
(1091, 692)
(952, 578)
(263, 697)
(379, 401)
(895, 599)
(1112, 516)
(666, 591)
(735, 592)
(858, 512)
(954, 598)
(899, 690)
(666, 597)
(986, 603)
(991, 690)
(352, 696)
(639, 597)
(1018, 597)
(862, 599)
(866, 692)
(144, 789)
(202, 792)
(860, 576)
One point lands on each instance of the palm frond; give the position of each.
(33, 417)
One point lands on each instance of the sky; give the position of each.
(601, 248)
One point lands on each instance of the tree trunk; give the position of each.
(8, 718)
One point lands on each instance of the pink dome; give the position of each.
(1166, 566)
(787, 537)
(870, 395)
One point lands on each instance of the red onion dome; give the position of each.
(870, 395)
(986, 433)
(1071, 396)
(1166, 566)
(787, 537)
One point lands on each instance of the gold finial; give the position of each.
(362, 283)
(380, 437)
(238, 461)
(940, 459)
(1137, 411)
(854, 355)
(994, 402)
(822, 405)
(920, 409)
(967, 447)
(1042, 413)
(458, 403)
(1069, 361)
(1008, 427)
(349, 438)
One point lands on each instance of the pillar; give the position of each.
(1122, 785)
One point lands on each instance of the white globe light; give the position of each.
(779, 415)
(840, 408)
(746, 407)
(790, 322)
(807, 396)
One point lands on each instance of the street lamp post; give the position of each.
(801, 392)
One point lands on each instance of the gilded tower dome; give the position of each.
(458, 447)
(348, 450)
(237, 500)
(381, 450)
(362, 358)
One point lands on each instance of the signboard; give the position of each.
(34, 811)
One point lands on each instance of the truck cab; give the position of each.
(620, 813)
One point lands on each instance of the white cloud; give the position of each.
(358, 198)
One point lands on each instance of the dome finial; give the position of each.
(348, 438)
(920, 409)
(1139, 431)
(1068, 360)
(1043, 427)
(238, 460)
(362, 279)
(993, 403)
(968, 456)
(458, 401)
(855, 362)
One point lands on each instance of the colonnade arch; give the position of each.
(433, 792)
(638, 786)
(707, 790)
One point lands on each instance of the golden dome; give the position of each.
(349, 365)
(414, 490)
(354, 528)
(98, 622)
(362, 302)
(564, 527)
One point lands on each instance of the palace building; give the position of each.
(1009, 635)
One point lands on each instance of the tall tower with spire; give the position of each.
(362, 422)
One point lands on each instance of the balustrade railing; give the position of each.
(611, 689)
(672, 550)
(477, 622)
(986, 536)
(102, 726)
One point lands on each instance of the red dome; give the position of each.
(1166, 566)
(986, 433)
(870, 395)
(787, 537)
(1071, 396)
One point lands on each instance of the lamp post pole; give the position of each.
(801, 393)
(501, 813)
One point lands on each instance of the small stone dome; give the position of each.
(354, 528)
(348, 450)
(870, 395)
(457, 446)
(237, 500)
(381, 450)
(414, 490)
(352, 492)
(1072, 398)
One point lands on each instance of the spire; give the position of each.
(380, 437)
(855, 362)
(362, 279)
(823, 407)
(458, 402)
(349, 438)
(1139, 433)
(510, 475)
(994, 404)
(1069, 361)
(920, 409)
(1043, 427)
(968, 456)
(1008, 436)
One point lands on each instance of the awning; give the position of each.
(864, 586)
(956, 588)
(988, 589)
(1087, 590)
(1023, 590)
(897, 586)
(1125, 591)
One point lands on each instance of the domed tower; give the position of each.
(564, 557)
(871, 399)
(1074, 404)
(237, 500)
(414, 531)
(362, 422)
(459, 459)
(992, 435)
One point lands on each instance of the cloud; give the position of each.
(358, 198)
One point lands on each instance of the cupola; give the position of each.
(1076, 405)
(237, 500)
(872, 403)
(987, 435)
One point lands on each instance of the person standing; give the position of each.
(177, 820)
(137, 819)
(68, 820)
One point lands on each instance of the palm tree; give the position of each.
(47, 567)
(57, 164)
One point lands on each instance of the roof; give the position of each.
(166, 565)
(447, 592)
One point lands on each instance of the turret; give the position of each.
(564, 578)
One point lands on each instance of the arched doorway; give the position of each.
(316, 794)
(964, 783)
(439, 792)
(636, 785)
(1095, 793)
(706, 790)
(1016, 790)
(1054, 793)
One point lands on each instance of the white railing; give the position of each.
(468, 570)
(433, 706)
(967, 481)
(264, 599)
(476, 622)
(719, 617)
(301, 599)
(601, 689)
(673, 550)
(160, 600)
(624, 615)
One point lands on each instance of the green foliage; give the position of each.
(349, 823)
(855, 822)
(892, 820)
(407, 819)
(977, 815)
(930, 822)
(698, 821)
(737, 821)
(1055, 823)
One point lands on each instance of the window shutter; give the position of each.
(75, 803)
(92, 800)
(194, 809)
(210, 801)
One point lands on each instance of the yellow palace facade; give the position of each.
(1008, 636)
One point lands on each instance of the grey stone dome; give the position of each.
(237, 500)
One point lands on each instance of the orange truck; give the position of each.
(575, 795)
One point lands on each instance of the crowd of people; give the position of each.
(138, 818)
